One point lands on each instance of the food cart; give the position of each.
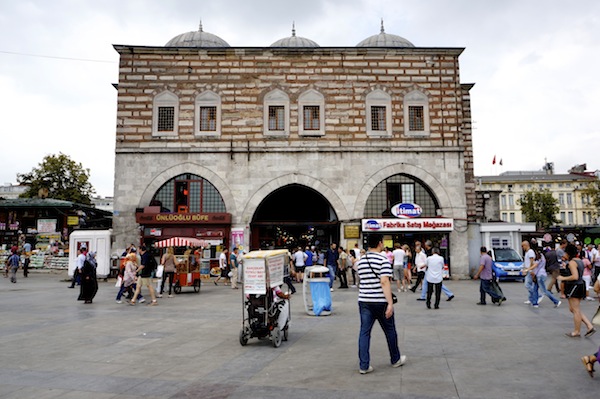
(262, 314)
(188, 273)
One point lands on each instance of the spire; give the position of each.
(200, 26)
(382, 29)
(293, 28)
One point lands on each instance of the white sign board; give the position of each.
(254, 277)
(416, 224)
(275, 264)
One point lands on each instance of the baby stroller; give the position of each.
(265, 315)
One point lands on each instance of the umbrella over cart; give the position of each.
(187, 274)
(180, 242)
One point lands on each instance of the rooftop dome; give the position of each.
(197, 39)
(385, 40)
(294, 41)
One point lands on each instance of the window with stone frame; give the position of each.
(165, 114)
(189, 193)
(416, 114)
(208, 114)
(379, 114)
(311, 106)
(276, 115)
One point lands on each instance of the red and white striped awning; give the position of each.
(180, 242)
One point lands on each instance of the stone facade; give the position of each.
(245, 163)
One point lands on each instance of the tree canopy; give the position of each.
(593, 191)
(541, 207)
(58, 177)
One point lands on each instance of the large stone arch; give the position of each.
(189, 167)
(438, 189)
(293, 178)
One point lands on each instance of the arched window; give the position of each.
(400, 188)
(276, 113)
(188, 193)
(165, 114)
(379, 114)
(416, 114)
(311, 113)
(208, 114)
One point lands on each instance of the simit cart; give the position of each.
(263, 313)
(187, 273)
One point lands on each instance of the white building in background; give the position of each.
(11, 191)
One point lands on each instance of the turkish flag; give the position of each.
(494, 160)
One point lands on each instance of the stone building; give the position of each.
(293, 144)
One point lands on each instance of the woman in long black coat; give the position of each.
(89, 283)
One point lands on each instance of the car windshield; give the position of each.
(507, 255)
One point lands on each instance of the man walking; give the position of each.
(144, 271)
(331, 258)
(233, 265)
(485, 274)
(376, 304)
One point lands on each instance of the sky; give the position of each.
(535, 66)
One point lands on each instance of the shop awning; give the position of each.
(181, 242)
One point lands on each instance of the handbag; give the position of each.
(119, 282)
(394, 297)
(596, 318)
(159, 271)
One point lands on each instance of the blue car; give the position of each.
(507, 264)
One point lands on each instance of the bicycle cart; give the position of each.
(187, 273)
(263, 313)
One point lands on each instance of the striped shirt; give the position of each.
(370, 289)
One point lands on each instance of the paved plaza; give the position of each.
(53, 346)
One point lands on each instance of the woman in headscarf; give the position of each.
(89, 283)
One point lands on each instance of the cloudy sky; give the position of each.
(535, 65)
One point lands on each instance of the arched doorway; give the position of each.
(294, 215)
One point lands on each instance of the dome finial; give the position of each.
(200, 27)
(293, 28)
(382, 30)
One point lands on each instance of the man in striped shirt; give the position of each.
(375, 304)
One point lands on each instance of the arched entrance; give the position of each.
(294, 215)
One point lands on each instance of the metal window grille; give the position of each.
(202, 197)
(166, 119)
(416, 118)
(208, 119)
(312, 119)
(276, 117)
(378, 118)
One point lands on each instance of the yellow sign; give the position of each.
(72, 220)
(351, 231)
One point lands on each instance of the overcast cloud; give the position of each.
(534, 63)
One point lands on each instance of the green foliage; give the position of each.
(593, 190)
(540, 207)
(59, 176)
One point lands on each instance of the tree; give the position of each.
(58, 177)
(539, 207)
(593, 191)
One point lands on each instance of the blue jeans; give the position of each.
(445, 290)
(541, 282)
(332, 273)
(123, 289)
(531, 288)
(369, 313)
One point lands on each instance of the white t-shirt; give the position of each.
(223, 260)
(399, 255)
(420, 261)
(80, 261)
(529, 258)
(299, 257)
(435, 265)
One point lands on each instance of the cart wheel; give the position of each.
(177, 288)
(197, 286)
(276, 337)
(243, 337)
(285, 333)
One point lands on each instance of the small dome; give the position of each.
(197, 39)
(385, 40)
(294, 41)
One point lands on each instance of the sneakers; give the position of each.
(331, 289)
(400, 362)
(540, 298)
(142, 300)
(119, 301)
(500, 301)
(558, 304)
(170, 296)
(159, 296)
(451, 297)
(527, 302)
(369, 370)
(153, 303)
(536, 306)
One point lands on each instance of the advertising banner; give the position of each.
(412, 225)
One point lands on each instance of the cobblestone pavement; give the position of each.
(187, 347)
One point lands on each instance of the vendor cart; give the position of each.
(264, 314)
(187, 273)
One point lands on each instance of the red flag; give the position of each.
(494, 160)
(500, 163)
